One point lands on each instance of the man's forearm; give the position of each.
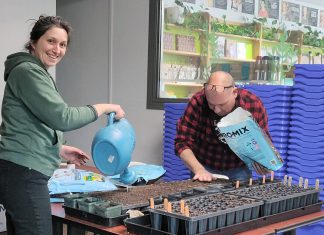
(191, 161)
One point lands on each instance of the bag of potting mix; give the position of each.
(248, 141)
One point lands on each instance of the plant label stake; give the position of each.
(169, 207)
(300, 182)
(250, 182)
(289, 181)
(237, 184)
(151, 203)
(272, 176)
(285, 180)
(165, 203)
(317, 184)
(182, 206)
(186, 210)
(306, 184)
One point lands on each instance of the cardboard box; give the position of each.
(2, 219)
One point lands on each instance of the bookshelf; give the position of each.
(232, 53)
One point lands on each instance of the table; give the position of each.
(75, 225)
(288, 226)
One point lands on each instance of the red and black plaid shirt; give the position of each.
(196, 130)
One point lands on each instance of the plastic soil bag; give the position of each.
(248, 141)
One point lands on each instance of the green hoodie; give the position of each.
(34, 115)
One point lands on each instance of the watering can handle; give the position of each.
(111, 118)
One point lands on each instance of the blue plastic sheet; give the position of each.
(144, 173)
(78, 181)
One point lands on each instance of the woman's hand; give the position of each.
(108, 108)
(74, 155)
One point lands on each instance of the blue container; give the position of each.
(112, 147)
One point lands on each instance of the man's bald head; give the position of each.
(221, 78)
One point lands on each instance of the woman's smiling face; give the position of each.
(51, 46)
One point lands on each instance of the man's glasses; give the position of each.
(216, 88)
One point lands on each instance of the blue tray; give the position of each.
(305, 68)
(307, 107)
(304, 150)
(307, 126)
(300, 128)
(308, 145)
(310, 165)
(307, 114)
(305, 138)
(308, 88)
(307, 100)
(308, 81)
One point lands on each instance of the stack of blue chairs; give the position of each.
(277, 101)
(175, 168)
(306, 138)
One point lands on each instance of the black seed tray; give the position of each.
(185, 194)
(143, 225)
(207, 212)
(109, 222)
(278, 197)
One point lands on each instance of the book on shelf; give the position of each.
(231, 48)
(241, 50)
(220, 46)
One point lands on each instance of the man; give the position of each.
(197, 141)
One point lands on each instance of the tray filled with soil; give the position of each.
(203, 213)
(143, 224)
(138, 197)
(86, 205)
(279, 197)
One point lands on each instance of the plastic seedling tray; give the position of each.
(107, 209)
(87, 204)
(278, 197)
(186, 194)
(207, 212)
(71, 200)
(109, 222)
(143, 224)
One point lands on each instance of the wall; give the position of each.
(107, 62)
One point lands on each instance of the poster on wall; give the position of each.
(248, 7)
(321, 24)
(290, 11)
(309, 16)
(222, 4)
(269, 8)
(236, 5)
(242, 6)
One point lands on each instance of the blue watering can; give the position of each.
(112, 147)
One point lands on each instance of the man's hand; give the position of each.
(261, 170)
(203, 175)
(74, 155)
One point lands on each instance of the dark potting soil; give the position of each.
(141, 194)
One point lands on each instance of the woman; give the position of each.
(34, 115)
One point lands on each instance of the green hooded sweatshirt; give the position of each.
(34, 115)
